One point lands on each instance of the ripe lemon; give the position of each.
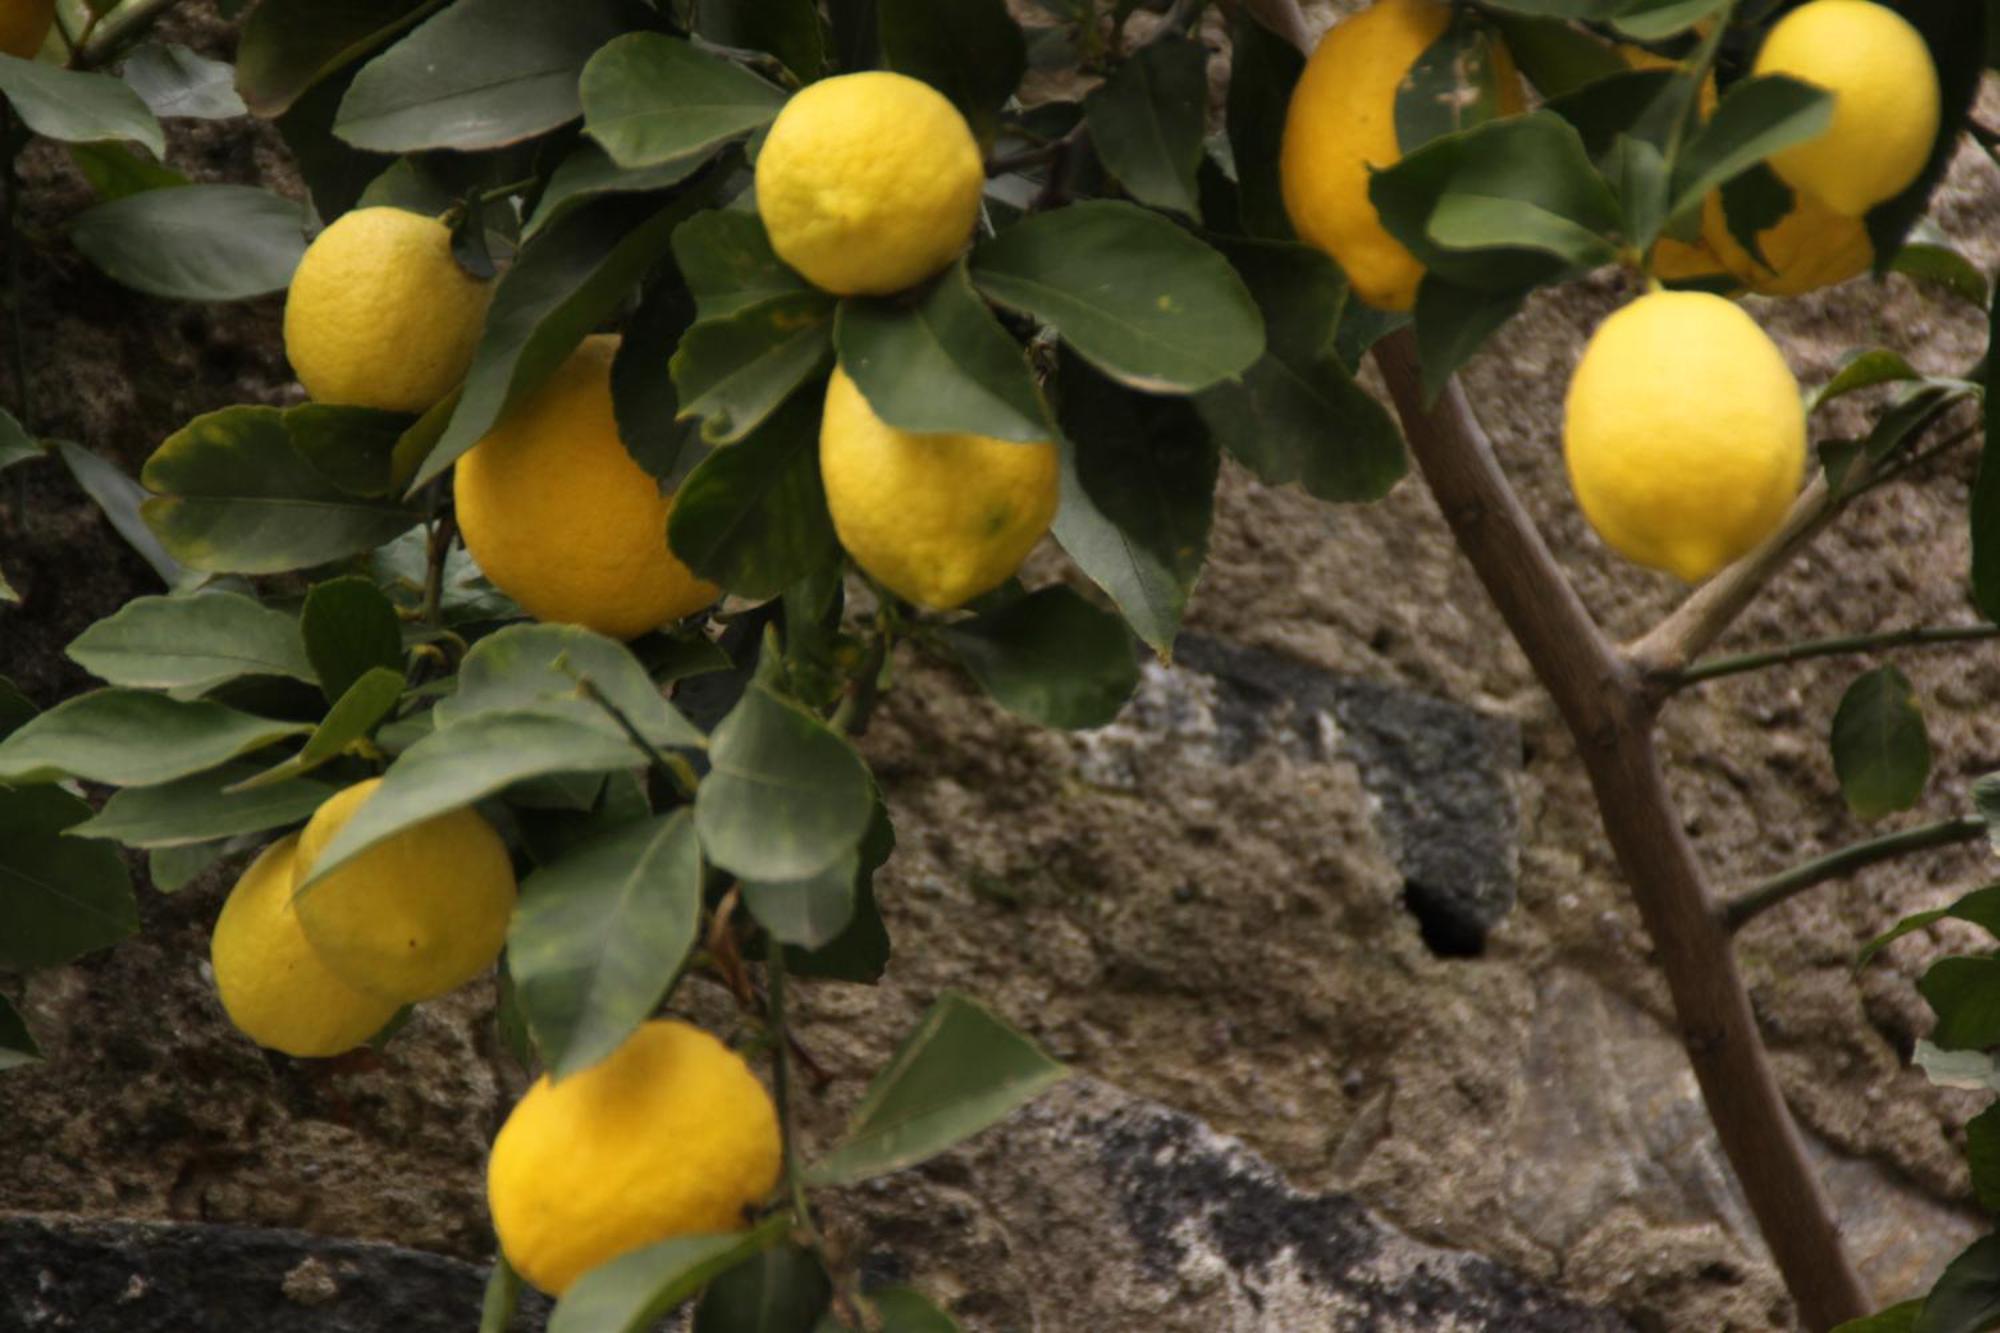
(1342, 121)
(275, 989)
(1886, 101)
(671, 1135)
(380, 314)
(1683, 432)
(1809, 248)
(24, 26)
(414, 915)
(558, 515)
(868, 183)
(938, 519)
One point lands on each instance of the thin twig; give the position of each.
(781, 1076)
(437, 551)
(674, 768)
(1843, 862)
(1915, 637)
(122, 27)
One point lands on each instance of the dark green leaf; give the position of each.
(1982, 1154)
(649, 98)
(1264, 68)
(1896, 1319)
(16, 445)
(1453, 322)
(1454, 84)
(371, 698)
(1757, 118)
(1052, 657)
(1939, 263)
(785, 797)
(542, 668)
(1985, 513)
(192, 642)
(961, 1071)
(1138, 487)
(201, 809)
(121, 499)
(642, 395)
(1863, 368)
(1957, 35)
(15, 708)
(503, 1293)
(1881, 749)
(1148, 119)
(972, 51)
(943, 365)
(861, 952)
(480, 74)
(1965, 993)
(752, 517)
(1557, 58)
(856, 35)
(17, 1044)
(350, 628)
(1981, 907)
(588, 172)
(632, 1292)
(1639, 104)
(1966, 1298)
(726, 259)
(352, 447)
(808, 912)
(173, 868)
(733, 372)
(336, 172)
(174, 81)
(1138, 297)
(77, 108)
(60, 897)
(781, 1290)
(130, 738)
(288, 46)
(195, 243)
(599, 935)
(791, 30)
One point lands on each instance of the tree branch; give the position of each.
(1918, 637)
(1843, 862)
(1606, 707)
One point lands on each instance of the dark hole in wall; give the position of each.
(1441, 919)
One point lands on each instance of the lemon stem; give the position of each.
(672, 767)
(1913, 637)
(781, 1076)
(1839, 864)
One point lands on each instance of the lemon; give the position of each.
(24, 26)
(1683, 432)
(416, 914)
(1886, 101)
(380, 314)
(670, 1135)
(938, 519)
(868, 183)
(558, 515)
(1809, 248)
(274, 987)
(1342, 122)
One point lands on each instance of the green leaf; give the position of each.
(201, 808)
(288, 46)
(1939, 263)
(726, 259)
(1148, 119)
(352, 447)
(808, 912)
(17, 1044)
(734, 372)
(1453, 322)
(336, 173)
(972, 51)
(195, 243)
(60, 897)
(785, 797)
(192, 642)
(232, 495)
(1758, 117)
(15, 708)
(1863, 368)
(173, 81)
(565, 282)
(1985, 509)
(1981, 907)
(503, 1294)
(905, 1310)
(1141, 299)
(457, 765)
(542, 668)
(1051, 657)
(1956, 34)
(130, 738)
(791, 30)
(649, 98)
(961, 1071)
(1966, 1297)
(861, 951)
(1264, 68)
(1881, 749)
(1557, 58)
(781, 1290)
(1454, 84)
(1653, 20)
(943, 365)
(752, 517)
(599, 935)
(1298, 415)
(632, 1292)
(372, 697)
(121, 499)
(1965, 993)
(1138, 492)
(1896, 1319)
(643, 400)
(16, 445)
(1982, 1154)
(479, 74)
(77, 108)
(588, 173)
(350, 629)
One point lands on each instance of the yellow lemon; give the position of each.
(558, 515)
(380, 314)
(275, 989)
(1809, 248)
(938, 519)
(671, 1135)
(1885, 109)
(1342, 122)
(24, 26)
(1683, 432)
(416, 914)
(868, 183)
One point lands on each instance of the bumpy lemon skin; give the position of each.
(671, 1135)
(1342, 122)
(24, 26)
(558, 515)
(938, 519)
(415, 915)
(1809, 248)
(869, 183)
(1886, 100)
(1683, 432)
(274, 987)
(380, 315)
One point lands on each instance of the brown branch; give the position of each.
(1606, 707)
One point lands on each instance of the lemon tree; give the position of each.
(674, 373)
